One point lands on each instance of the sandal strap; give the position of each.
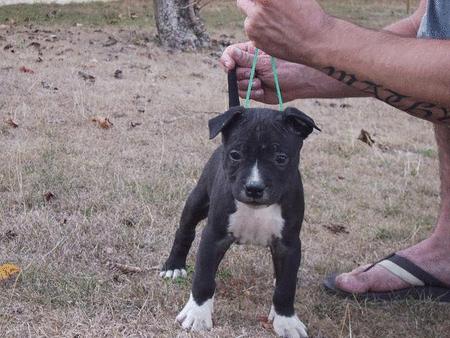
(408, 271)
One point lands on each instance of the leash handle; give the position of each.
(275, 77)
(233, 94)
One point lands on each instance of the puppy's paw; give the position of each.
(287, 327)
(196, 317)
(174, 274)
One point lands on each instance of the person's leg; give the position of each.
(432, 254)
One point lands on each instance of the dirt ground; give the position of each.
(76, 199)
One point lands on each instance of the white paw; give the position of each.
(287, 327)
(174, 274)
(196, 317)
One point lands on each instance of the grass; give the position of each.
(119, 192)
(139, 13)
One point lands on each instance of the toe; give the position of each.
(377, 279)
(176, 274)
(353, 282)
(168, 274)
(187, 323)
(183, 273)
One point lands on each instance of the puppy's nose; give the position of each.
(254, 190)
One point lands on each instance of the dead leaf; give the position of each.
(86, 76)
(10, 122)
(102, 122)
(336, 228)
(128, 222)
(110, 42)
(48, 196)
(35, 44)
(125, 269)
(134, 124)
(24, 69)
(118, 74)
(10, 235)
(265, 323)
(7, 271)
(46, 85)
(365, 137)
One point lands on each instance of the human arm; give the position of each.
(297, 80)
(408, 73)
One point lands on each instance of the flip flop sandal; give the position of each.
(424, 286)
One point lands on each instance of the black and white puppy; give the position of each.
(252, 193)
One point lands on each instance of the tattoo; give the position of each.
(342, 76)
(425, 110)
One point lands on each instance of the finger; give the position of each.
(243, 85)
(246, 6)
(228, 58)
(235, 56)
(243, 73)
(257, 95)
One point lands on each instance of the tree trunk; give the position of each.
(179, 24)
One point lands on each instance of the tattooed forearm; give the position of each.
(425, 110)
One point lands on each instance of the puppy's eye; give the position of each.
(235, 155)
(281, 159)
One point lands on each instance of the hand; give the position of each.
(287, 29)
(296, 80)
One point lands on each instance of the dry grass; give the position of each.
(118, 194)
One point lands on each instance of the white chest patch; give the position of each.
(256, 225)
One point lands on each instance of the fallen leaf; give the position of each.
(265, 323)
(46, 85)
(110, 42)
(51, 38)
(365, 137)
(134, 124)
(336, 228)
(10, 122)
(48, 196)
(35, 44)
(10, 235)
(24, 69)
(8, 270)
(128, 222)
(125, 269)
(86, 76)
(102, 122)
(344, 105)
(118, 74)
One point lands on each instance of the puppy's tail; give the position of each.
(233, 94)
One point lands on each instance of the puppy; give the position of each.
(251, 191)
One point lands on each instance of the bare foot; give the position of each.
(432, 255)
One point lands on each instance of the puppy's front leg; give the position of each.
(197, 313)
(286, 256)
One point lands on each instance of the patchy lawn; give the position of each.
(76, 199)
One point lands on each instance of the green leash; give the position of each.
(275, 77)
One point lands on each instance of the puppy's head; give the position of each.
(261, 150)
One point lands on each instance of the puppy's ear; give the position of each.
(219, 123)
(299, 122)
